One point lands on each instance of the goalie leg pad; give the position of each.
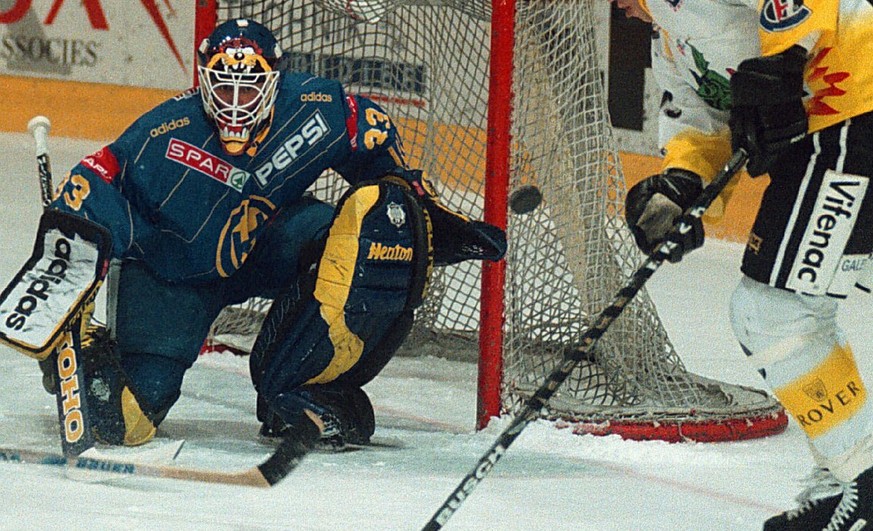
(346, 412)
(343, 321)
(117, 416)
(795, 342)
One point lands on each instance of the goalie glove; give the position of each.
(767, 113)
(654, 205)
(456, 237)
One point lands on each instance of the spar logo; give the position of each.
(782, 15)
(103, 163)
(207, 164)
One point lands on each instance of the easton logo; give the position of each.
(782, 15)
(207, 164)
(829, 228)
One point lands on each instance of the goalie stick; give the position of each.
(63, 359)
(534, 406)
(284, 459)
(39, 127)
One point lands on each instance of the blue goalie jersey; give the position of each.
(172, 198)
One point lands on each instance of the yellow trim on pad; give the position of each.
(138, 429)
(335, 275)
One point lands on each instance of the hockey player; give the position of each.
(204, 199)
(787, 81)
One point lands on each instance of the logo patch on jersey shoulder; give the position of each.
(782, 15)
(207, 164)
(103, 163)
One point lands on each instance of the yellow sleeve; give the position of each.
(705, 155)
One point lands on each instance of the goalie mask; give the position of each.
(238, 81)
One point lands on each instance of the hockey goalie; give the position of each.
(201, 204)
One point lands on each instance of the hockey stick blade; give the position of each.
(285, 458)
(540, 399)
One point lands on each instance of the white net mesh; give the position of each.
(427, 63)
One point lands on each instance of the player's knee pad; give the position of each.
(344, 320)
(796, 343)
(767, 320)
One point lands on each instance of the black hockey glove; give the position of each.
(655, 204)
(767, 113)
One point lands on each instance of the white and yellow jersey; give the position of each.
(699, 44)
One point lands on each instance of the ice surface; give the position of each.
(549, 479)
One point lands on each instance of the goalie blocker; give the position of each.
(69, 261)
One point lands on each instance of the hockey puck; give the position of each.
(525, 199)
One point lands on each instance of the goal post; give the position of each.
(497, 169)
(490, 96)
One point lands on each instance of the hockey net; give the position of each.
(427, 63)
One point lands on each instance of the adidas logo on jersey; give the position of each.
(316, 96)
(166, 127)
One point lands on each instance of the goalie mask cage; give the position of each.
(532, 112)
